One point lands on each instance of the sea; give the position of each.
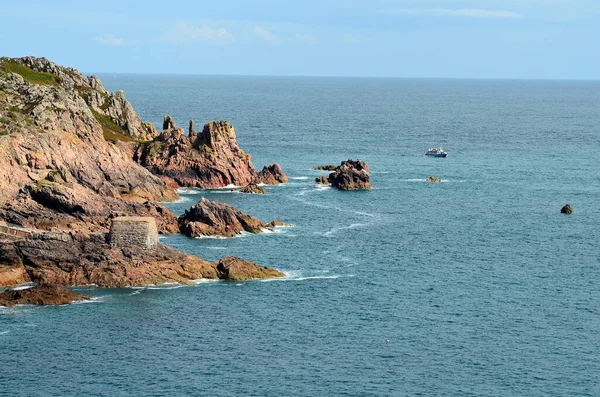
(475, 286)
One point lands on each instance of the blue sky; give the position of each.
(548, 39)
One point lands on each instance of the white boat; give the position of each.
(436, 152)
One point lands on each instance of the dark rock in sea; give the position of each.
(322, 180)
(253, 188)
(236, 269)
(277, 223)
(351, 175)
(567, 209)
(40, 295)
(272, 175)
(209, 218)
(328, 167)
(433, 179)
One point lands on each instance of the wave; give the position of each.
(205, 281)
(299, 178)
(240, 235)
(297, 275)
(338, 229)
(97, 299)
(4, 332)
(215, 248)
(23, 286)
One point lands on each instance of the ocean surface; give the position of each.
(479, 283)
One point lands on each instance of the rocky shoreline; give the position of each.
(78, 166)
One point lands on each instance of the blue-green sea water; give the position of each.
(479, 283)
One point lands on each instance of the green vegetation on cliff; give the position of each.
(112, 132)
(42, 78)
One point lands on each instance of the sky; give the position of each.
(522, 39)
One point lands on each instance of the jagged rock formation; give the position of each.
(40, 295)
(566, 209)
(209, 218)
(272, 175)
(80, 259)
(349, 175)
(433, 179)
(253, 188)
(211, 158)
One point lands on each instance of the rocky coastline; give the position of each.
(74, 157)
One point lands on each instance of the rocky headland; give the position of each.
(74, 156)
(349, 175)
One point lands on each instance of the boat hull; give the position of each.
(436, 154)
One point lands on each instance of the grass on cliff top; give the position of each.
(112, 132)
(28, 74)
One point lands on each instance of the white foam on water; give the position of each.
(97, 299)
(215, 248)
(240, 235)
(299, 178)
(24, 286)
(4, 332)
(296, 275)
(338, 229)
(204, 281)
(166, 286)
(188, 190)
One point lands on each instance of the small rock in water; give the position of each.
(433, 179)
(567, 209)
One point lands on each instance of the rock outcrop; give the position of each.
(253, 188)
(349, 175)
(272, 175)
(236, 269)
(566, 209)
(433, 179)
(211, 158)
(209, 218)
(322, 180)
(73, 258)
(55, 161)
(40, 295)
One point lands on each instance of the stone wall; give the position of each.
(13, 230)
(133, 232)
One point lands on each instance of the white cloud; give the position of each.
(464, 12)
(112, 41)
(185, 32)
(264, 34)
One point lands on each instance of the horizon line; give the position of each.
(573, 79)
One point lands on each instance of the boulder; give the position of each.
(209, 218)
(566, 209)
(433, 179)
(253, 188)
(236, 269)
(322, 180)
(40, 295)
(272, 175)
(277, 223)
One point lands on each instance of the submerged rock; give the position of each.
(253, 188)
(40, 295)
(328, 167)
(236, 269)
(433, 179)
(567, 209)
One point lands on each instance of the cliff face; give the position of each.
(211, 158)
(52, 142)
